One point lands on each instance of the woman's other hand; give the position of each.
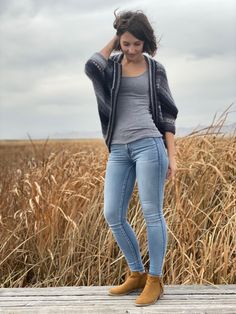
(171, 168)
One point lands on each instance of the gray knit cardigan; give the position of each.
(106, 76)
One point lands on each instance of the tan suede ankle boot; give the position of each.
(135, 281)
(153, 290)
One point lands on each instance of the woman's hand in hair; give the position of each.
(107, 50)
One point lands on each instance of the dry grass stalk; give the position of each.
(53, 231)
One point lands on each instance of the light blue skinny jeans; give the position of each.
(146, 160)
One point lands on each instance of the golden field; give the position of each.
(52, 229)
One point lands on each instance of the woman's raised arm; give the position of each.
(107, 50)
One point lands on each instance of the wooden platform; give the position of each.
(94, 299)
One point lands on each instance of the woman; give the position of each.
(137, 113)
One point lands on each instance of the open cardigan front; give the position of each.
(106, 76)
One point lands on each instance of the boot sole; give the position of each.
(118, 294)
(146, 304)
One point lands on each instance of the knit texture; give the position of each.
(105, 76)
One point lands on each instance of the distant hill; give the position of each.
(230, 128)
(82, 134)
(227, 129)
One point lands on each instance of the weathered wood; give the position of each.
(85, 290)
(94, 299)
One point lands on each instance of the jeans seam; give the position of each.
(163, 239)
(122, 208)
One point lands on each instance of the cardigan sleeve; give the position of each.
(95, 65)
(168, 108)
(95, 69)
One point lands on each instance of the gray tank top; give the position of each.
(133, 119)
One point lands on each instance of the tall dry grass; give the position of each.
(53, 231)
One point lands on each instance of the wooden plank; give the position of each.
(131, 296)
(129, 309)
(91, 290)
(85, 303)
(94, 299)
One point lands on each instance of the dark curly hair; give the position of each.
(136, 23)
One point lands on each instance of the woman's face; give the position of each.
(131, 46)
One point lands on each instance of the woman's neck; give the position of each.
(136, 61)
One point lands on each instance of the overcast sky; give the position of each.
(44, 45)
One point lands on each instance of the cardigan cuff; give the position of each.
(99, 60)
(168, 126)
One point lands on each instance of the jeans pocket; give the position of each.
(160, 140)
(163, 145)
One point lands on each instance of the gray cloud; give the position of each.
(200, 29)
(44, 45)
(52, 7)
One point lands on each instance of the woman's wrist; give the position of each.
(171, 156)
(107, 50)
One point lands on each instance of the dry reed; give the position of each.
(53, 232)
